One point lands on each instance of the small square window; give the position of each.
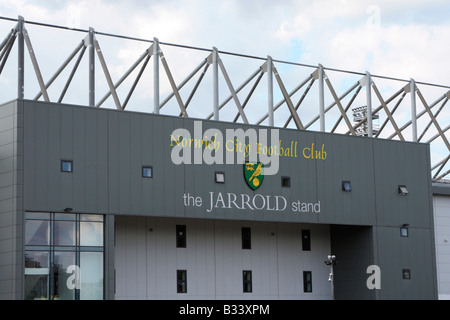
(286, 182)
(66, 166)
(147, 172)
(220, 177)
(404, 231)
(346, 186)
(406, 274)
(402, 191)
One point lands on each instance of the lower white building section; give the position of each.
(442, 234)
(169, 258)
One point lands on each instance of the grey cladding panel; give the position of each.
(109, 149)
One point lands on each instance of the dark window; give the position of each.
(247, 281)
(181, 236)
(147, 172)
(246, 238)
(402, 191)
(346, 186)
(181, 281)
(307, 281)
(66, 166)
(306, 240)
(286, 182)
(406, 274)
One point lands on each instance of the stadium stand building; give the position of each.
(108, 203)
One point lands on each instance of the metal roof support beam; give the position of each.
(301, 100)
(270, 90)
(438, 135)
(156, 106)
(288, 100)
(233, 92)
(188, 78)
(431, 122)
(197, 84)
(7, 47)
(436, 124)
(279, 104)
(413, 109)
(37, 71)
(136, 81)
(172, 84)
(369, 104)
(91, 67)
(61, 69)
(406, 88)
(107, 75)
(11, 34)
(215, 61)
(388, 113)
(338, 102)
(443, 175)
(21, 59)
(442, 165)
(392, 112)
(242, 86)
(346, 108)
(261, 74)
(333, 103)
(321, 98)
(378, 110)
(74, 69)
(147, 53)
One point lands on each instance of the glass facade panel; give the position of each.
(91, 266)
(37, 233)
(64, 256)
(64, 233)
(62, 281)
(91, 234)
(36, 275)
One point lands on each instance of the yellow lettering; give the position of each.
(172, 140)
(307, 156)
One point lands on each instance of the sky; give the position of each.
(401, 39)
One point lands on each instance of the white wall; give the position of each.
(146, 259)
(441, 206)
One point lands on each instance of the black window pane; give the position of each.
(246, 238)
(307, 281)
(306, 240)
(247, 281)
(181, 281)
(181, 236)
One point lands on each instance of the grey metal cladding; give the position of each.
(109, 148)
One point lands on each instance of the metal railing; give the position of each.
(303, 107)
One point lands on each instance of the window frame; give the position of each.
(247, 284)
